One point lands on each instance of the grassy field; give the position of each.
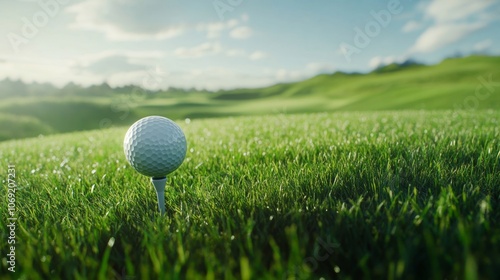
(396, 195)
(449, 85)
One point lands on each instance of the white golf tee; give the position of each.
(160, 184)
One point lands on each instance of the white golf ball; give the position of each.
(155, 146)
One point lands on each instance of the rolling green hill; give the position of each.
(452, 84)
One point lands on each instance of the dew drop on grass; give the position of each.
(417, 221)
(111, 242)
(63, 163)
(484, 206)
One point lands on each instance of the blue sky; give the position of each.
(231, 43)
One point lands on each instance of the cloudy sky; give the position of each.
(231, 43)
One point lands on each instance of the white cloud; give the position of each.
(445, 11)
(126, 20)
(242, 32)
(130, 20)
(214, 29)
(452, 20)
(257, 55)
(483, 45)
(202, 50)
(411, 26)
(441, 35)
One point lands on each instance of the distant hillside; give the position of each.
(450, 85)
(397, 66)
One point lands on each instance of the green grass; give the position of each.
(397, 195)
(449, 85)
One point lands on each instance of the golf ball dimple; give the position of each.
(155, 146)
